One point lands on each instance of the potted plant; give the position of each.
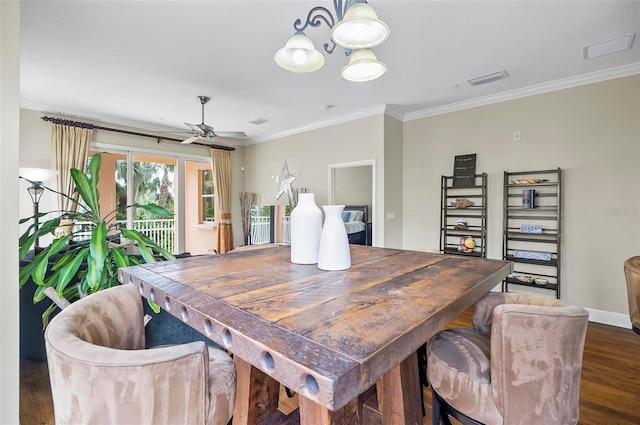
(75, 270)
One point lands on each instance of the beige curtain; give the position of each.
(221, 165)
(69, 148)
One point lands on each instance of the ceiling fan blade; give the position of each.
(231, 133)
(190, 140)
(194, 127)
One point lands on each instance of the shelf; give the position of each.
(459, 233)
(462, 195)
(553, 286)
(472, 208)
(475, 215)
(512, 208)
(542, 184)
(454, 251)
(531, 237)
(533, 216)
(551, 263)
(548, 211)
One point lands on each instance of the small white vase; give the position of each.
(334, 244)
(306, 227)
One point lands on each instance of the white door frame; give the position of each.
(331, 192)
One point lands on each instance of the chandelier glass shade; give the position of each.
(360, 28)
(299, 55)
(363, 66)
(355, 27)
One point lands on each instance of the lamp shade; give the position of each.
(360, 28)
(363, 66)
(38, 175)
(299, 55)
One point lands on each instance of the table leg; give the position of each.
(312, 413)
(256, 394)
(399, 394)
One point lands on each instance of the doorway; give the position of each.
(353, 183)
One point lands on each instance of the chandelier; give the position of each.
(355, 27)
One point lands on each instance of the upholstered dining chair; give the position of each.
(100, 372)
(632, 274)
(520, 364)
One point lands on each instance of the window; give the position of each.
(205, 181)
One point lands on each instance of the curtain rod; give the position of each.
(134, 133)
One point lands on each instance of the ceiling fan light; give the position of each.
(363, 66)
(299, 55)
(360, 28)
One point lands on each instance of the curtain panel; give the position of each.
(69, 148)
(221, 168)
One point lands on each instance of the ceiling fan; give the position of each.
(204, 131)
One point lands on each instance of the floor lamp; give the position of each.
(36, 176)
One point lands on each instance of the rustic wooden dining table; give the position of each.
(330, 336)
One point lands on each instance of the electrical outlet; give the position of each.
(516, 136)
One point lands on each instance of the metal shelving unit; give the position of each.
(476, 216)
(542, 270)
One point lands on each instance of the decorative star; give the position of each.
(284, 179)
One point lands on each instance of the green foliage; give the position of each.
(151, 184)
(76, 270)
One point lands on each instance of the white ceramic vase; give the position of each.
(334, 244)
(306, 227)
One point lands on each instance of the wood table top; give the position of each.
(328, 335)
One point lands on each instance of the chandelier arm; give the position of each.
(315, 18)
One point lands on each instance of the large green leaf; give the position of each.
(154, 209)
(98, 244)
(144, 242)
(121, 259)
(87, 190)
(94, 169)
(47, 314)
(27, 238)
(135, 236)
(68, 272)
(25, 273)
(42, 260)
(94, 176)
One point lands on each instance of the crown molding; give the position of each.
(364, 113)
(580, 80)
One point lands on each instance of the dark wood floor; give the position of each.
(609, 391)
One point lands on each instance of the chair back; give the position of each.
(632, 275)
(537, 346)
(101, 374)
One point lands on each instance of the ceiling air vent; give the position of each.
(488, 78)
(607, 47)
(258, 121)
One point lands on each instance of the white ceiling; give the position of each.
(143, 63)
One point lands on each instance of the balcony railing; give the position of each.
(161, 231)
(261, 231)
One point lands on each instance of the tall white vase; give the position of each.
(334, 244)
(306, 227)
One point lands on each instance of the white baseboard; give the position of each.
(609, 318)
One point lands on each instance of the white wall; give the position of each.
(592, 132)
(9, 135)
(393, 183)
(310, 154)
